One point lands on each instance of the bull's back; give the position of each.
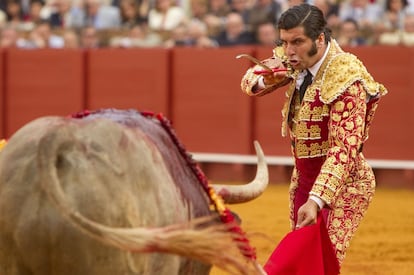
(111, 174)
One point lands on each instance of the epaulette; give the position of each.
(343, 70)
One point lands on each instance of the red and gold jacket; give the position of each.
(332, 121)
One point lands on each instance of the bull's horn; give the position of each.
(243, 193)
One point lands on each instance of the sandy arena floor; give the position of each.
(383, 245)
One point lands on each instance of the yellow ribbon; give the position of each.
(3, 142)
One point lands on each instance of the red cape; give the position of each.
(306, 251)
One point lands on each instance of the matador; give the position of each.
(328, 124)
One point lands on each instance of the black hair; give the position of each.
(309, 17)
(388, 4)
(352, 21)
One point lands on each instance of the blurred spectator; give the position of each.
(71, 39)
(165, 16)
(264, 11)
(393, 18)
(27, 21)
(102, 16)
(90, 38)
(10, 38)
(130, 14)
(144, 8)
(403, 37)
(35, 15)
(348, 34)
(199, 9)
(48, 7)
(407, 35)
(410, 6)
(22, 7)
(243, 8)
(212, 23)
(235, 32)
(219, 8)
(137, 36)
(25, 6)
(367, 14)
(179, 37)
(290, 3)
(43, 37)
(66, 15)
(185, 5)
(3, 19)
(3, 5)
(216, 16)
(215, 25)
(331, 11)
(198, 33)
(267, 35)
(193, 34)
(14, 13)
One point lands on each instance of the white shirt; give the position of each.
(167, 22)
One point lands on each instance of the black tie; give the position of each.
(306, 82)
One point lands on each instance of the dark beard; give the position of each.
(313, 50)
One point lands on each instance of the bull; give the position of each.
(85, 194)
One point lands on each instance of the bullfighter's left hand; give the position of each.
(307, 214)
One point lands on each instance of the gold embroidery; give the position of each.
(305, 112)
(341, 71)
(305, 149)
(323, 178)
(352, 140)
(331, 166)
(345, 114)
(314, 114)
(339, 107)
(336, 117)
(349, 125)
(354, 153)
(286, 108)
(325, 110)
(353, 90)
(310, 94)
(353, 197)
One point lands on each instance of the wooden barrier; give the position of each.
(41, 83)
(210, 113)
(134, 78)
(391, 134)
(2, 96)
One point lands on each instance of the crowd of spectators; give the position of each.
(31, 24)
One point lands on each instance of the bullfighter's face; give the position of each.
(302, 52)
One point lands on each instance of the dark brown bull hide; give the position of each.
(116, 168)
